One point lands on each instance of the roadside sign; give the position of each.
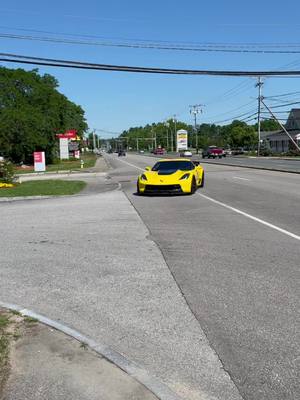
(182, 140)
(39, 161)
(77, 154)
(64, 149)
(70, 134)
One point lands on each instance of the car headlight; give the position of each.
(143, 177)
(185, 176)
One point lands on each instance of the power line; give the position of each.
(233, 110)
(245, 115)
(228, 48)
(7, 57)
(286, 104)
(281, 95)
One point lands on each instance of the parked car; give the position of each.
(121, 153)
(227, 152)
(213, 152)
(237, 151)
(186, 153)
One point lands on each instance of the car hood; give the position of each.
(164, 176)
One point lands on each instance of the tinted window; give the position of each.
(173, 166)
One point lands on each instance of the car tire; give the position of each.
(193, 186)
(202, 181)
(138, 192)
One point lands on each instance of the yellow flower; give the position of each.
(6, 185)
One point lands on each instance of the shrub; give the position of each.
(6, 172)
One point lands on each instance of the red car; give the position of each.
(213, 152)
(159, 151)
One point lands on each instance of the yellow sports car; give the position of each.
(171, 176)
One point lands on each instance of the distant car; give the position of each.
(121, 153)
(213, 152)
(179, 175)
(110, 151)
(142, 151)
(186, 153)
(237, 151)
(227, 152)
(159, 151)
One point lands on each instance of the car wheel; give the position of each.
(138, 192)
(202, 181)
(193, 186)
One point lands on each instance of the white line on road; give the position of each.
(132, 165)
(261, 221)
(244, 179)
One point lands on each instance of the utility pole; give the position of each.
(137, 144)
(195, 109)
(282, 126)
(260, 98)
(167, 126)
(175, 129)
(94, 140)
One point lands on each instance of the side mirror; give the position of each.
(148, 169)
(196, 163)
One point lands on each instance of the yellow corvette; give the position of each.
(171, 176)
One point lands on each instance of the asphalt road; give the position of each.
(262, 162)
(89, 262)
(234, 251)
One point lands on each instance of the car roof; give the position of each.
(175, 159)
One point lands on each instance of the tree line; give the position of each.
(32, 112)
(234, 135)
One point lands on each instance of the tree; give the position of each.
(268, 125)
(241, 135)
(32, 111)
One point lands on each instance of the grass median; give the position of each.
(89, 160)
(49, 187)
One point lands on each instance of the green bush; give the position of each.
(7, 173)
(293, 153)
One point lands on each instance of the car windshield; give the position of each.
(168, 166)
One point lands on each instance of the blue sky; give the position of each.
(115, 101)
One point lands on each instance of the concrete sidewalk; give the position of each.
(47, 364)
(90, 263)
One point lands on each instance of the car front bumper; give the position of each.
(178, 188)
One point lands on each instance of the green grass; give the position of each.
(47, 187)
(65, 165)
(30, 320)
(4, 321)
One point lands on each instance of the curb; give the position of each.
(27, 198)
(235, 165)
(251, 167)
(141, 375)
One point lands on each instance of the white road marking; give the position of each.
(244, 179)
(260, 221)
(132, 165)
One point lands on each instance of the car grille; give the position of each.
(163, 189)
